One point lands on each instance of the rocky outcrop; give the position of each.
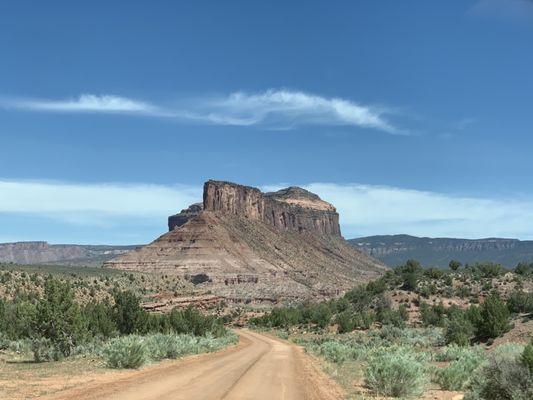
(293, 208)
(175, 221)
(252, 245)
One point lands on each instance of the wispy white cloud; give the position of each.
(514, 10)
(371, 210)
(277, 109)
(289, 108)
(95, 204)
(364, 209)
(87, 103)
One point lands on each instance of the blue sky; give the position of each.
(411, 117)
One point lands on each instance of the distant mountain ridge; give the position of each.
(40, 252)
(396, 249)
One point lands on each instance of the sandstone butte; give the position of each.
(245, 245)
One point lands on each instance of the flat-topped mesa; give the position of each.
(293, 208)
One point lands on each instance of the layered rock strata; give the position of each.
(243, 243)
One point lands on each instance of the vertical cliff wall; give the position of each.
(293, 208)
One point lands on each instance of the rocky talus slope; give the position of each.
(245, 244)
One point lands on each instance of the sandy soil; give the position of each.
(260, 367)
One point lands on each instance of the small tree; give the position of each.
(58, 317)
(321, 315)
(128, 315)
(459, 330)
(494, 319)
(454, 265)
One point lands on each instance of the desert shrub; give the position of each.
(458, 373)
(94, 347)
(485, 270)
(160, 346)
(20, 346)
(520, 302)
(397, 372)
(434, 273)
(527, 357)
(524, 269)
(125, 352)
(359, 298)
(454, 265)
(455, 352)
(321, 315)
(389, 316)
(376, 287)
(494, 317)
(347, 320)
(503, 377)
(432, 315)
(100, 320)
(459, 330)
(424, 337)
(4, 341)
(44, 350)
(410, 274)
(18, 319)
(334, 351)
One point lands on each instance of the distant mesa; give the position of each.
(244, 244)
(395, 250)
(71, 254)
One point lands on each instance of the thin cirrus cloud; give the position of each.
(364, 209)
(512, 10)
(87, 103)
(283, 109)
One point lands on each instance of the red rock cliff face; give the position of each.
(293, 208)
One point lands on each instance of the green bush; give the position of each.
(432, 315)
(334, 351)
(520, 302)
(454, 352)
(396, 372)
(454, 265)
(494, 318)
(348, 320)
(58, 317)
(126, 352)
(162, 346)
(458, 373)
(459, 330)
(503, 377)
(524, 269)
(44, 350)
(527, 357)
(128, 314)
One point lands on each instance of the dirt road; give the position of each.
(259, 368)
